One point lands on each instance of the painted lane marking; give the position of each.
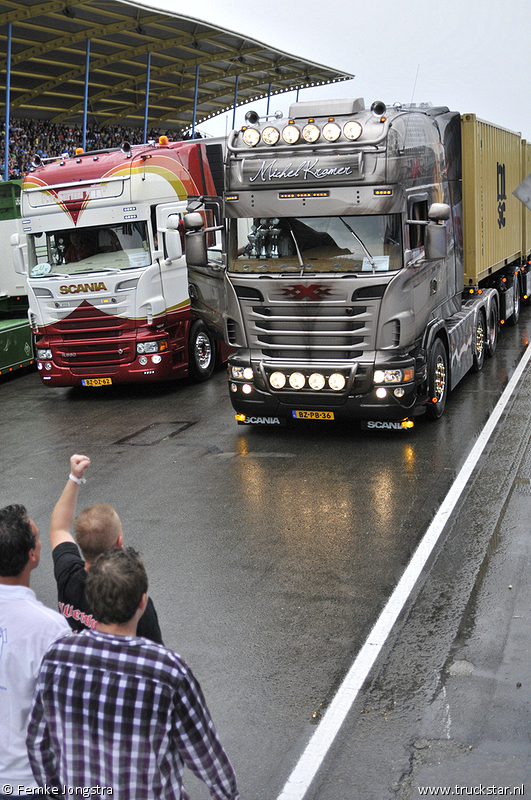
(302, 776)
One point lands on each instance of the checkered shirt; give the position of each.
(123, 712)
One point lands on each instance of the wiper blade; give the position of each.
(299, 256)
(355, 235)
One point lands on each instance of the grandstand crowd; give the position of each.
(28, 137)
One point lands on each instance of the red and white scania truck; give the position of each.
(370, 257)
(105, 271)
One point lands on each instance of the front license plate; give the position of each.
(313, 414)
(96, 381)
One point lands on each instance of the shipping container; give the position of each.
(492, 215)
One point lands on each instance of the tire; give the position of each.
(437, 380)
(480, 343)
(201, 352)
(515, 316)
(493, 329)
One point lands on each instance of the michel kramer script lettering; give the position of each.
(306, 169)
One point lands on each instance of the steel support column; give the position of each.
(195, 99)
(85, 104)
(8, 101)
(148, 76)
(235, 103)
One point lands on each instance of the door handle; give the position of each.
(433, 287)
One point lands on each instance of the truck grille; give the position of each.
(331, 328)
(89, 336)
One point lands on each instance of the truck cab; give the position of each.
(342, 261)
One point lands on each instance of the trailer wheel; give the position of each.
(515, 316)
(493, 329)
(437, 380)
(201, 352)
(480, 343)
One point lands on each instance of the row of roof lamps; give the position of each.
(310, 132)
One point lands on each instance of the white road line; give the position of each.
(300, 779)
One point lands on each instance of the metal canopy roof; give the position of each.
(49, 52)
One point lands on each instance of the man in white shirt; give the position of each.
(27, 628)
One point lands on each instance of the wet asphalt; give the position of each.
(446, 710)
(271, 553)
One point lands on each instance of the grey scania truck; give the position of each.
(361, 260)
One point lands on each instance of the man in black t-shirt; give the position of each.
(98, 529)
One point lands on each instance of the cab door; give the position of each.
(206, 268)
(428, 278)
(170, 244)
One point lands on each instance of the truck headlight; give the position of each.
(297, 380)
(291, 134)
(331, 131)
(251, 137)
(393, 375)
(336, 381)
(241, 373)
(316, 381)
(352, 130)
(151, 347)
(270, 135)
(310, 133)
(44, 355)
(277, 380)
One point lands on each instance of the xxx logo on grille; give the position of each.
(315, 291)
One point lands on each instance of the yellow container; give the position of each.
(526, 212)
(493, 220)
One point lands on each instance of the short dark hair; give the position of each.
(16, 540)
(115, 584)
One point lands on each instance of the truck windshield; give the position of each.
(82, 250)
(316, 244)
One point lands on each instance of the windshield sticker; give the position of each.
(40, 270)
(139, 259)
(381, 264)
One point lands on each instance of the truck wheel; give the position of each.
(515, 316)
(479, 343)
(437, 380)
(201, 352)
(494, 327)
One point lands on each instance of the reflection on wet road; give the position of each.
(270, 552)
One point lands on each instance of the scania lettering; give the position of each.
(382, 425)
(105, 271)
(259, 420)
(371, 255)
(83, 287)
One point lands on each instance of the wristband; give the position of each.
(77, 480)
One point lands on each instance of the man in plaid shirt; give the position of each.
(116, 711)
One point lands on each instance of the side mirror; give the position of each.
(438, 212)
(194, 204)
(435, 243)
(174, 246)
(196, 248)
(18, 255)
(193, 221)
